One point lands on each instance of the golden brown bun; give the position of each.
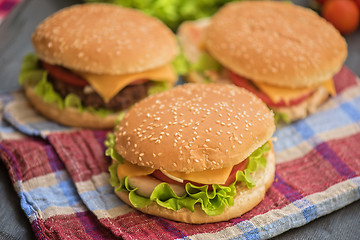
(245, 200)
(191, 35)
(104, 39)
(276, 42)
(194, 127)
(69, 116)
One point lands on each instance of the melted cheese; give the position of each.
(330, 87)
(216, 176)
(132, 170)
(277, 94)
(107, 86)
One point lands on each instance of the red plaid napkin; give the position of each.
(6, 6)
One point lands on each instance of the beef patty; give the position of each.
(122, 100)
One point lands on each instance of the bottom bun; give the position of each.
(245, 200)
(69, 116)
(306, 107)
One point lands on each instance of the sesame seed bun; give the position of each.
(194, 127)
(104, 39)
(276, 42)
(69, 116)
(244, 201)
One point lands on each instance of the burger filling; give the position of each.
(89, 98)
(214, 190)
(101, 94)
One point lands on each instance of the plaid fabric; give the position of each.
(6, 6)
(63, 186)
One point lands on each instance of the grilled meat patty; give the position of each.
(125, 98)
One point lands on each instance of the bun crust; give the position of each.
(276, 43)
(245, 200)
(69, 116)
(104, 39)
(194, 127)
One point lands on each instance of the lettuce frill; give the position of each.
(213, 200)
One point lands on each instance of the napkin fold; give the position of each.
(62, 179)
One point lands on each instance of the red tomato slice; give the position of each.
(245, 83)
(140, 81)
(64, 75)
(238, 167)
(71, 78)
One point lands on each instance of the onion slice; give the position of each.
(172, 177)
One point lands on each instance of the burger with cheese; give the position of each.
(197, 153)
(283, 53)
(93, 61)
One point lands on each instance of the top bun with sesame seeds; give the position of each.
(104, 39)
(284, 53)
(194, 127)
(276, 43)
(98, 60)
(200, 134)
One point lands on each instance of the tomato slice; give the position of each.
(64, 75)
(238, 167)
(140, 81)
(246, 83)
(71, 78)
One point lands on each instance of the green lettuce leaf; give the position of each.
(172, 12)
(213, 202)
(281, 117)
(114, 180)
(111, 151)
(205, 62)
(45, 90)
(157, 87)
(72, 100)
(181, 64)
(30, 72)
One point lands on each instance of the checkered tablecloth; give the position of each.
(61, 176)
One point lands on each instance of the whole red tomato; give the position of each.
(343, 14)
(357, 3)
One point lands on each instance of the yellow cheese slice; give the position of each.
(107, 86)
(132, 170)
(330, 87)
(276, 94)
(216, 176)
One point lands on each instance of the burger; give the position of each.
(197, 153)
(283, 53)
(93, 61)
